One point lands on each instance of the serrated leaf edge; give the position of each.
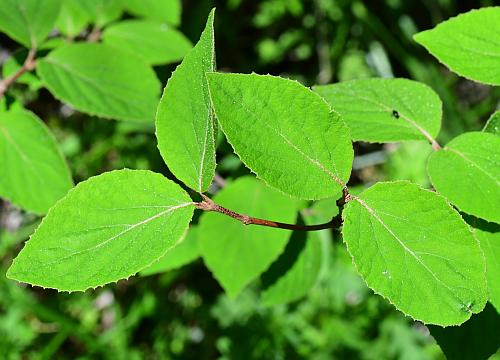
(388, 299)
(337, 179)
(58, 152)
(9, 275)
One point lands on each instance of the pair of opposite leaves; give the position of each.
(315, 149)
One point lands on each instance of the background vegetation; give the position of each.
(183, 313)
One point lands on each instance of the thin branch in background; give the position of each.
(94, 35)
(219, 180)
(322, 47)
(28, 65)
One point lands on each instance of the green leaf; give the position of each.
(386, 110)
(324, 210)
(488, 235)
(183, 253)
(155, 42)
(73, 18)
(408, 162)
(101, 80)
(185, 126)
(168, 11)
(283, 132)
(28, 21)
(296, 271)
(467, 172)
(477, 339)
(466, 44)
(34, 173)
(493, 124)
(104, 11)
(76, 15)
(235, 253)
(413, 248)
(106, 229)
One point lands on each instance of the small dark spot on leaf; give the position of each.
(395, 114)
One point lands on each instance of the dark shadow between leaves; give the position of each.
(476, 339)
(286, 260)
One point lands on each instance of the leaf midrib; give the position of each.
(123, 232)
(466, 158)
(315, 162)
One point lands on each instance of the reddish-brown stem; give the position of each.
(28, 65)
(209, 205)
(435, 145)
(94, 35)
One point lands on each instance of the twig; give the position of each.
(94, 35)
(435, 145)
(28, 65)
(209, 205)
(322, 48)
(219, 180)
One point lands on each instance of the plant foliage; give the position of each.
(409, 244)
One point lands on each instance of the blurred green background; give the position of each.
(183, 313)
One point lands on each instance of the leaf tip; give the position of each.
(419, 37)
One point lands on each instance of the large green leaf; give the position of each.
(493, 124)
(467, 172)
(155, 42)
(488, 235)
(283, 132)
(236, 253)
(185, 125)
(33, 173)
(467, 45)
(183, 253)
(106, 229)
(296, 271)
(386, 110)
(168, 11)
(28, 21)
(414, 249)
(101, 80)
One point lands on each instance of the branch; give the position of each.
(219, 180)
(28, 65)
(209, 205)
(94, 35)
(435, 145)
